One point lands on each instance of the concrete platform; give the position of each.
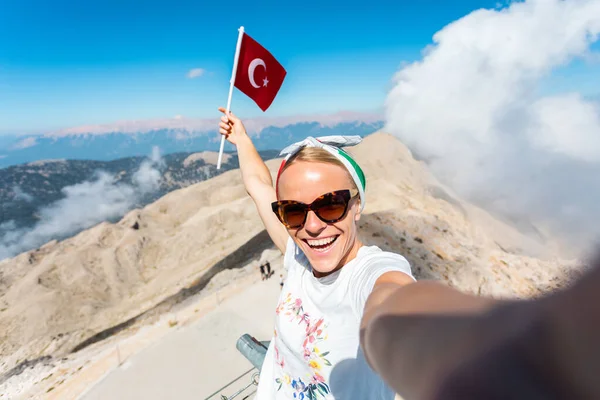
(192, 362)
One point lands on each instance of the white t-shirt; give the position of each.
(315, 352)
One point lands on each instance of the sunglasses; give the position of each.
(330, 207)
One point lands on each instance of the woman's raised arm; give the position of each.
(256, 176)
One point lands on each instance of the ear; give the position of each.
(358, 213)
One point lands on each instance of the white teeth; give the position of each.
(320, 242)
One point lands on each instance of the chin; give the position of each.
(323, 267)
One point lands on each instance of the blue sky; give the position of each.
(68, 63)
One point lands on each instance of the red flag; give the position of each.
(259, 75)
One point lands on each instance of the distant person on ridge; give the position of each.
(311, 215)
(262, 272)
(269, 273)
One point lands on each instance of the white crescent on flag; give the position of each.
(255, 63)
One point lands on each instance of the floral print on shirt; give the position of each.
(313, 387)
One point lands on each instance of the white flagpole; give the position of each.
(231, 82)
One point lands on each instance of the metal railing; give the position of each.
(255, 352)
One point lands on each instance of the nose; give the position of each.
(313, 224)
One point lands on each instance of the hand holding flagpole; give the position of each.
(231, 83)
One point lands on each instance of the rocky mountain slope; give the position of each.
(69, 294)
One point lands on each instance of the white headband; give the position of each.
(333, 145)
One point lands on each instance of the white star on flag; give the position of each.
(265, 81)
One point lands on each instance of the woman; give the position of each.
(334, 282)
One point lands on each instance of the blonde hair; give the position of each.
(319, 155)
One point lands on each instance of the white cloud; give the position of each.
(84, 205)
(25, 143)
(21, 195)
(147, 177)
(196, 73)
(470, 107)
(155, 157)
(568, 125)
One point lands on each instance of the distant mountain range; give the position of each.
(114, 142)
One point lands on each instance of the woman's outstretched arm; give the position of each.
(429, 341)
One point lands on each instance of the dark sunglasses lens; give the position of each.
(293, 214)
(332, 208)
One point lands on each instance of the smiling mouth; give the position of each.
(321, 245)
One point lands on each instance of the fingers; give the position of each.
(224, 111)
(225, 124)
(231, 115)
(224, 127)
(228, 122)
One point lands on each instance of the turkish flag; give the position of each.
(259, 75)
